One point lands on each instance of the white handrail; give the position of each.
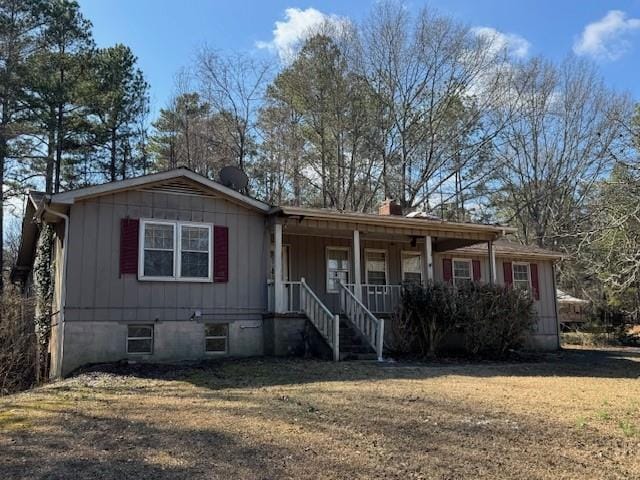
(371, 327)
(321, 317)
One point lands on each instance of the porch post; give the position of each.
(428, 258)
(277, 268)
(356, 265)
(492, 264)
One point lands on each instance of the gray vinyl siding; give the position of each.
(96, 292)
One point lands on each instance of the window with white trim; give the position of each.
(338, 266)
(140, 339)
(175, 251)
(521, 276)
(216, 338)
(376, 267)
(462, 272)
(412, 267)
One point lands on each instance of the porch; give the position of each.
(327, 264)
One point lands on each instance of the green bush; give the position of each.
(492, 320)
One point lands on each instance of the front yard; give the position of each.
(570, 415)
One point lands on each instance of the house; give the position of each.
(571, 310)
(174, 266)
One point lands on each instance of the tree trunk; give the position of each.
(112, 166)
(59, 139)
(3, 154)
(51, 143)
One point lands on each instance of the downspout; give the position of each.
(63, 287)
(555, 302)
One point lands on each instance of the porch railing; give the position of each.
(298, 297)
(291, 296)
(321, 317)
(369, 325)
(379, 298)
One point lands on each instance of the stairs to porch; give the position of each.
(352, 345)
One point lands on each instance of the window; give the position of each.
(216, 337)
(158, 250)
(412, 267)
(194, 251)
(462, 272)
(175, 251)
(337, 267)
(140, 339)
(376, 267)
(521, 278)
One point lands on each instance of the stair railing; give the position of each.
(370, 327)
(321, 317)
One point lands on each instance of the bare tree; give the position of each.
(233, 85)
(550, 157)
(436, 82)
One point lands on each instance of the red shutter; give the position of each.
(220, 253)
(129, 228)
(476, 270)
(447, 270)
(533, 268)
(508, 274)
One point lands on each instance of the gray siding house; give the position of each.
(173, 266)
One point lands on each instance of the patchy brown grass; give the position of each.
(571, 415)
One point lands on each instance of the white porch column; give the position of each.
(428, 259)
(356, 265)
(277, 268)
(492, 264)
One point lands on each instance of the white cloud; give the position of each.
(608, 37)
(298, 25)
(514, 44)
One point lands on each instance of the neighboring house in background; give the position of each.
(174, 266)
(571, 310)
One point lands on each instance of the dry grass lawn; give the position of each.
(570, 415)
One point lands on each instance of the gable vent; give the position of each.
(179, 187)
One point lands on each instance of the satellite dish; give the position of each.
(234, 178)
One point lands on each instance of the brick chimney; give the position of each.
(389, 207)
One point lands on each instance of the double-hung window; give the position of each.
(376, 267)
(521, 277)
(175, 251)
(462, 272)
(412, 267)
(338, 267)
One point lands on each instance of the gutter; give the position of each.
(63, 281)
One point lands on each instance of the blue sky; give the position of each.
(165, 34)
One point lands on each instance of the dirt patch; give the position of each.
(570, 415)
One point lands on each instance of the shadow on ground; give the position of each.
(571, 362)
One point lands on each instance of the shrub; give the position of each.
(491, 319)
(426, 316)
(18, 344)
(495, 319)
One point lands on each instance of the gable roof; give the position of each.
(564, 297)
(169, 176)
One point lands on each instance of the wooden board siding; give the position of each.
(307, 259)
(545, 307)
(96, 291)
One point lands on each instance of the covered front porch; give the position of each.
(328, 264)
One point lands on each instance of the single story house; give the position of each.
(174, 266)
(571, 310)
